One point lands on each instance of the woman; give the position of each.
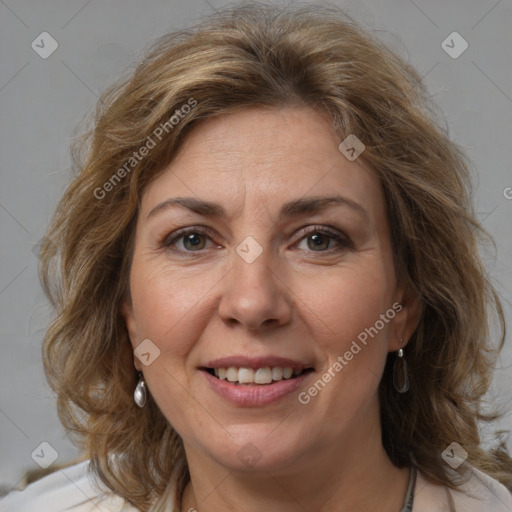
(267, 285)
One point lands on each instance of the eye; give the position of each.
(188, 240)
(320, 239)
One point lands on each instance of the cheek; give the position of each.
(346, 322)
(165, 307)
(169, 304)
(344, 304)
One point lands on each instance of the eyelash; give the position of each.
(341, 239)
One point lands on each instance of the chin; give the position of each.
(255, 453)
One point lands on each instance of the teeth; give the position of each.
(277, 373)
(232, 374)
(264, 375)
(245, 375)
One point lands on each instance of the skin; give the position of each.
(295, 300)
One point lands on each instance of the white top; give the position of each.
(73, 490)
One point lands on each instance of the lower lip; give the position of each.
(259, 394)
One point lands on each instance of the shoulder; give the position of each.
(70, 489)
(479, 493)
(482, 492)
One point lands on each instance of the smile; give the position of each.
(244, 390)
(259, 376)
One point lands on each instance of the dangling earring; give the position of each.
(140, 393)
(400, 377)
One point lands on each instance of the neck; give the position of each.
(356, 474)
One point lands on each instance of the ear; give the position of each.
(129, 320)
(407, 305)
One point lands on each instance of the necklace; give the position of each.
(409, 496)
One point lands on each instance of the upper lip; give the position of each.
(256, 362)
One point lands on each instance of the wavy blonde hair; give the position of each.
(266, 56)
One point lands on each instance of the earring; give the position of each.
(140, 393)
(400, 377)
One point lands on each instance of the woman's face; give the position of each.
(242, 268)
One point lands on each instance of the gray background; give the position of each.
(43, 100)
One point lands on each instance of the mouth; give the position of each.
(255, 381)
(262, 376)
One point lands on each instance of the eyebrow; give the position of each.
(305, 205)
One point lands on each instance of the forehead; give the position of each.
(256, 156)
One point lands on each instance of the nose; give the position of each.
(255, 295)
